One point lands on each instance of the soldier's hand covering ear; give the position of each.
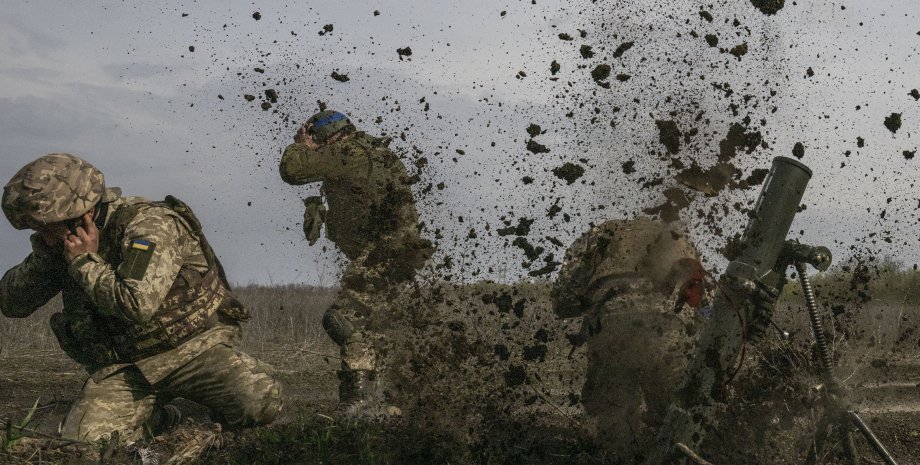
(760, 301)
(85, 239)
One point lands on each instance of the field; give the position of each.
(485, 374)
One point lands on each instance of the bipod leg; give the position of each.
(871, 438)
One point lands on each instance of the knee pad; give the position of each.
(337, 326)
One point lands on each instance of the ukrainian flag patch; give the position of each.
(137, 259)
(141, 244)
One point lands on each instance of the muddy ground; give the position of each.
(475, 411)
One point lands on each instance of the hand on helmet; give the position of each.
(85, 239)
(303, 137)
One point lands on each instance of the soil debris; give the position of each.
(271, 95)
(739, 50)
(915, 94)
(257, 16)
(566, 36)
(554, 67)
(622, 49)
(339, 77)
(533, 130)
(893, 122)
(404, 52)
(712, 40)
(737, 138)
(909, 155)
(710, 181)
(798, 150)
(326, 29)
(600, 75)
(570, 172)
(586, 51)
(706, 15)
(536, 147)
(669, 135)
(768, 7)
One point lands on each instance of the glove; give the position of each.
(314, 216)
(760, 302)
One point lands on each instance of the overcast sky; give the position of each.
(118, 84)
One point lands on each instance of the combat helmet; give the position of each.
(53, 188)
(615, 252)
(326, 124)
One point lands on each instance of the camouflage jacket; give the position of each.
(130, 294)
(368, 192)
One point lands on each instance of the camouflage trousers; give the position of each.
(238, 389)
(363, 305)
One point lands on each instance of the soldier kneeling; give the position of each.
(632, 281)
(147, 309)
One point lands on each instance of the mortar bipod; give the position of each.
(840, 415)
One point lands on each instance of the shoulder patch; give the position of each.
(137, 259)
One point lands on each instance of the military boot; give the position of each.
(163, 420)
(360, 395)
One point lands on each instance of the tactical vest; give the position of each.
(195, 302)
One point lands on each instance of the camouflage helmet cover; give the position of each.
(53, 188)
(618, 249)
(326, 124)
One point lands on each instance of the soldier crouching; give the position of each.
(147, 308)
(633, 282)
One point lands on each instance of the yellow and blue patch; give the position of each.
(137, 259)
(141, 244)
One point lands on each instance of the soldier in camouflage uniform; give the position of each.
(633, 282)
(372, 219)
(147, 309)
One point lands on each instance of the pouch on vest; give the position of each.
(80, 338)
(314, 216)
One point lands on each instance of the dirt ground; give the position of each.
(775, 402)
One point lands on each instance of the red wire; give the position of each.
(743, 334)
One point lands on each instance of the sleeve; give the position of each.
(32, 283)
(154, 248)
(302, 165)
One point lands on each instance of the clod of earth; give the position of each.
(191, 48)
(554, 67)
(249, 97)
(623, 77)
(668, 135)
(533, 130)
(860, 142)
(915, 94)
(536, 147)
(893, 122)
(404, 52)
(271, 95)
(566, 36)
(586, 52)
(706, 15)
(266, 106)
(909, 155)
(809, 72)
(339, 77)
(569, 172)
(622, 49)
(768, 7)
(629, 167)
(600, 74)
(737, 137)
(798, 150)
(257, 16)
(739, 50)
(712, 40)
(709, 181)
